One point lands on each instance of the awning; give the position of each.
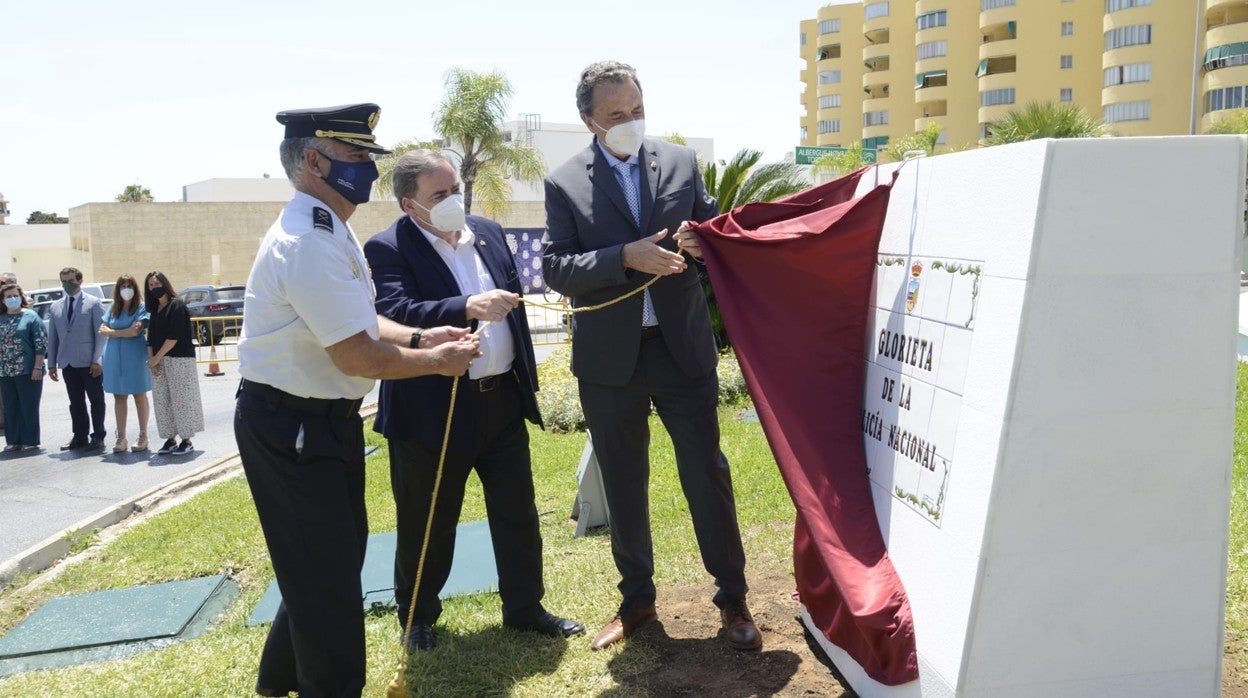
(982, 69)
(921, 78)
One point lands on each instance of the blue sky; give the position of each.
(95, 96)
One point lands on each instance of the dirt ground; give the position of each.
(691, 664)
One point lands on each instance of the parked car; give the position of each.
(41, 299)
(214, 301)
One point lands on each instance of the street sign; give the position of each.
(808, 154)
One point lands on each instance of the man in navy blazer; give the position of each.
(74, 348)
(435, 266)
(614, 214)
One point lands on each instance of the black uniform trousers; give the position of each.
(81, 386)
(500, 457)
(310, 500)
(619, 426)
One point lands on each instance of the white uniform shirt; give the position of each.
(498, 350)
(309, 288)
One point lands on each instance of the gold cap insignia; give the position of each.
(373, 118)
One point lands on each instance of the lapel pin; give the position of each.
(654, 165)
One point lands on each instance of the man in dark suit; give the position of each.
(436, 266)
(74, 349)
(610, 210)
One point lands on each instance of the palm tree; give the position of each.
(739, 183)
(135, 193)
(386, 163)
(470, 120)
(924, 140)
(853, 159)
(1045, 120)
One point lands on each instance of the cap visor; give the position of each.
(368, 145)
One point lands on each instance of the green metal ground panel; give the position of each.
(473, 571)
(107, 625)
(110, 617)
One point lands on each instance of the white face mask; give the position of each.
(126, 294)
(624, 138)
(448, 214)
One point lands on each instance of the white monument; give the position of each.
(1050, 399)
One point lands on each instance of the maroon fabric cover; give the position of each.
(793, 281)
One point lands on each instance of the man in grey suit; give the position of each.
(74, 349)
(610, 210)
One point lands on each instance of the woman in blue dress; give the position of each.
(23, 346)
(125, 359)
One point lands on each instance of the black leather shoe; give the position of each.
(74, 445)
(550, 625)
(94, 445)
(420, 638)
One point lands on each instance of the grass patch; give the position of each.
(217, 531)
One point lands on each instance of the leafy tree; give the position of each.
(470, 120)
(39, 217)
(135, 193)
(1045, 120)
(1232, 121)
(853, 159)
(386, 163)
(736, 183)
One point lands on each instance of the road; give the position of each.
(42, 493)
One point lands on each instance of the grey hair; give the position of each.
(291, 151)
(410, 166)
(598, 73)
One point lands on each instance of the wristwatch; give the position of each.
(415, 343)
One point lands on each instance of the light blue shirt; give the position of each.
(632, 160)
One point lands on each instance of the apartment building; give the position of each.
(878, 70)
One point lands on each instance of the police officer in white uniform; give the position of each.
(311, 347)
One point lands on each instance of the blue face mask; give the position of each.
(13, 302)
(354, 180)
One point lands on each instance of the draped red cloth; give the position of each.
(793, 281)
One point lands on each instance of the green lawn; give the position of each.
(217, 531)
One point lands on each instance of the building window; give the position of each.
(829, 126)
(803, 39)
(938, 18)
(829, 77)
(802, 138)
(1225, 98)
(991, 98)
(829, 101)
(1068, 62)
(1068, 28)
(875, 118)
(943, 138)
(1127, 111)
(1132, 72)
(1067, 94)
(875, 10)
(932, 49)
(1115, 5)
(993, 4)
(1128, 36)
(829, 26)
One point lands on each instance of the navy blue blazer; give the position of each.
(416, 288)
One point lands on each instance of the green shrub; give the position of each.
(560, 402)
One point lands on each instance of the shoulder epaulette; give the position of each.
(321, 220)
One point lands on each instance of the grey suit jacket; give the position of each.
(587, 225)
(79, 343)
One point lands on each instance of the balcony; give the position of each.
(997, 15)
(1229, 76)
(996, 66)
(999, 31)
(999, 81)
(878, 35)
(1221, 13)
(922, 123)
(1224, 56)
(876, 80)
(997, 49)
(875, 63)
(877, 91)
(987, 115)
(828, 51)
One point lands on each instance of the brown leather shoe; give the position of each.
(739, 628)
(623, 625)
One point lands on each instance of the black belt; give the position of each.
(340, 407)
(489, 383)
(650, 331)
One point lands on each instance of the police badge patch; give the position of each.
(321, 220)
